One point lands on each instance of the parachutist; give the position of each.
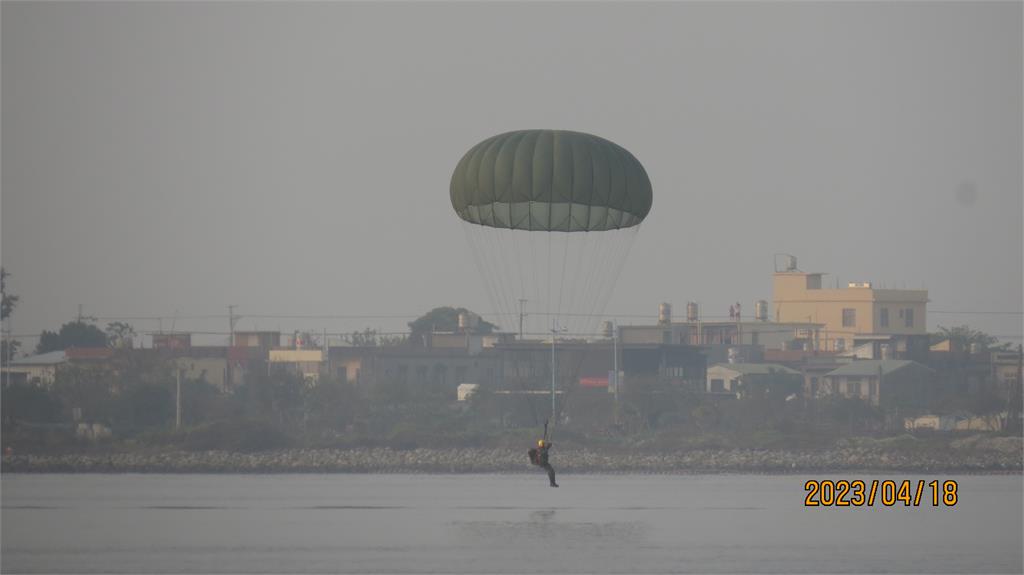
(539, 457)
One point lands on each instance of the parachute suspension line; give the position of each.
(597, 272)
(535, 280)
(495, 259)
(547, 300)
(483, 259)
(603, 279)
(561, 285)
(500, 263)
(510, 261)
(486, 263)
(592, 273)
(596, 263)
(604, 269)
(587, 245)
(529, 396)
(592, 263)
(619, 264)
(519, 265)
(471, 240)
(566, 305)
(599, 277)
(567, 393)
(506, 266)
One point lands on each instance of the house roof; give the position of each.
(869, 367)
(48, 358)
(758, 368)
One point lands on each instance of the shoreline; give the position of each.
(483, 461)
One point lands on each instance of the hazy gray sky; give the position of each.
(295, 158)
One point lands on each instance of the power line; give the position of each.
(976, 312)
(415, 316)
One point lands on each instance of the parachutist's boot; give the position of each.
(554, 485)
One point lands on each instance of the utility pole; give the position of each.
(231, 326)
(177, 409)
(554, 333)
(615, 370)
(1014, 409)
(8, 354)
(231, 344)
(521, 302)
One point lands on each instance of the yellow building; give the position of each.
(306, 362)
(852, 315)
(212, 369)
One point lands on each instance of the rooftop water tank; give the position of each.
(665, 314)
(761, 310)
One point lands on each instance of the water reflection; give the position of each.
(547, 526)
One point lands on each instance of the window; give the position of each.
(874, 389)
(908, 317)
(849, 317)
(717, 385)
(853, 388)
(883, 317)
(439, 374)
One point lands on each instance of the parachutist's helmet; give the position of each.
(540, 443)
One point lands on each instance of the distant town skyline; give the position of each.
(294, 160)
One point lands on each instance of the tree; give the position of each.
(9, 301)
(331, 405)
(120, 334)
(145, 406)
(370, 337)
(367, 337)
(28, 402)
(8, 349)
(72, 334)
(962, 337)
(87, 388)
(444, 319)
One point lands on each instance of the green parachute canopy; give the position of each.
(550, 180)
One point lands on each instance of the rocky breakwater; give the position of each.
(978, 459)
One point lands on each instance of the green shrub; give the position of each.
(241, 436)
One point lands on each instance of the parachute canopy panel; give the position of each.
(550, 180)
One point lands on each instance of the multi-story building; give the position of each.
(855, 315)
(766, 334)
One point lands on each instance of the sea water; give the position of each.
(349, 523)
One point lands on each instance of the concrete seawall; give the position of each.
(455, 460)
